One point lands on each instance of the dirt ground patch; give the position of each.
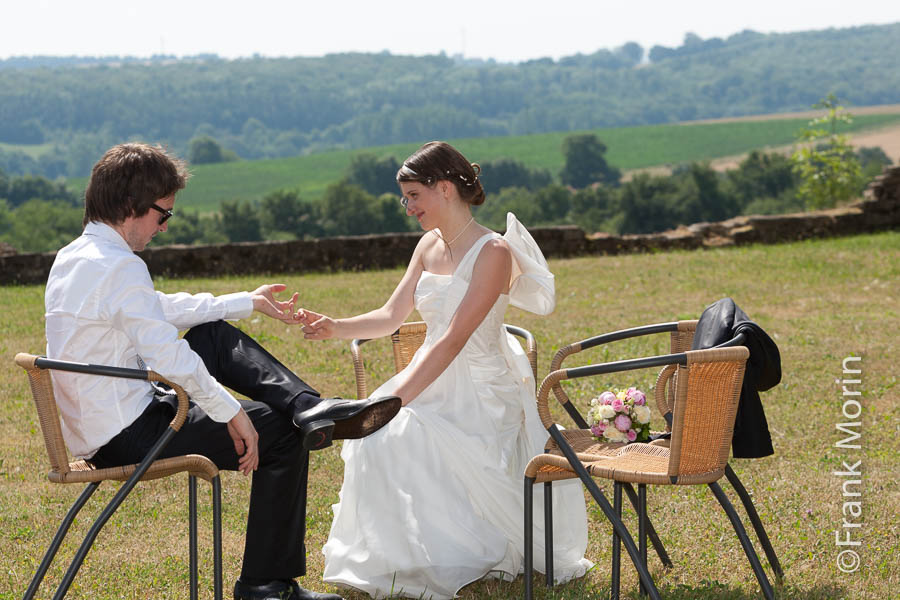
(881, 109)
(887, 138)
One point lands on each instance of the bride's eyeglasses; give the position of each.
(406, 173)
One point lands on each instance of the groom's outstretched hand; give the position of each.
(264, 301)
(315, 326)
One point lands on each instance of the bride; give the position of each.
(433, 501)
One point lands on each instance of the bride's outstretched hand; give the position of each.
(315, 326)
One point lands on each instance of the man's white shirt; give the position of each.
(101, 308)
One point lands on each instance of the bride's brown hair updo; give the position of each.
(437, 161)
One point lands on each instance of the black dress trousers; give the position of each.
(274, 546)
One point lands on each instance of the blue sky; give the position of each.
(503, 30)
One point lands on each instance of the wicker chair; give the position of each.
(681, 337)
(407, 339)
(63, 471)
(575, 453)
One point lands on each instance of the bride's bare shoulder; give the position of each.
(494, 260)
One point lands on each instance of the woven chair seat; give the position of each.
(635, 463)
(553, 466)
(583, 442)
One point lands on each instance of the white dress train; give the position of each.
(433, 500)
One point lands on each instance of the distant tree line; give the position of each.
(70, 110)
(38, 215)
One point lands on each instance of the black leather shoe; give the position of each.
(341, 419)
(279, 589)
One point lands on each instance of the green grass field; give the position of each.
(628, 148)
(820, 300)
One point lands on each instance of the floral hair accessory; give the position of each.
(620, 416)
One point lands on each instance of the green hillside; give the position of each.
(629, 148)
(289, 106)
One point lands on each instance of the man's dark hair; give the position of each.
(128, 179)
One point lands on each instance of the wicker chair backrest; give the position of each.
(405, 341)
(48, 413)
(707, 391)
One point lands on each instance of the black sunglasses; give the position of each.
(166, 214)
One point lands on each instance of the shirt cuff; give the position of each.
(238, 305)
(222, 407)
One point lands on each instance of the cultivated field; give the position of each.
(820, 300)
(887, 138)
(657, 147)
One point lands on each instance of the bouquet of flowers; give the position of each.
(620, 416)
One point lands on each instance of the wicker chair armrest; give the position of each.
(593, 342)
(613, 336)
(661, 393)
(622, 334)
(359, 368)
(551, 381)
(530, 346)
(29, 361)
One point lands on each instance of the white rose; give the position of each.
(607, 412)
(642, 413)
(614, 435)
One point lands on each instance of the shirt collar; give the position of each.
(106, 232)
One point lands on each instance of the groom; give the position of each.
(101, 307)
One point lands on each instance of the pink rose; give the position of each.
(618, 405)
(632, 435)
(597, 429)
(622, 422)
(637, 396)
(607, 398)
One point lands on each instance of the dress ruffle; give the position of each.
(533, 286)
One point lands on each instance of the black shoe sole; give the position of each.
(317, 434)
(367, 421)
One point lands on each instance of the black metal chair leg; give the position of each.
(57, 540)
(642, 528)
(608, 511)
(745, 541)
(217, 536)
(651, 530)
(761, 534)
(548, 533)
(111, 508)
(615, 570)
(192, 533)
(529, 542)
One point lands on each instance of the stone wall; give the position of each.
(879, 210)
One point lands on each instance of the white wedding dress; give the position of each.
(433, 500)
